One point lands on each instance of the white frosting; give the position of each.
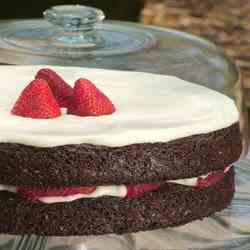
(150, 108)
(113, 190)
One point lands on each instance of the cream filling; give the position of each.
(113, 190)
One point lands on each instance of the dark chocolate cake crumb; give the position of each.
(85, 164)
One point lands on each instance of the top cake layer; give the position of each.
(150, 108)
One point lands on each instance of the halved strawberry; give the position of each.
(37, 101)
(136, 190)
(35, 193)
(61, 90)
(88, 100)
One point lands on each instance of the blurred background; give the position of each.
(114, 9)
(225, 22)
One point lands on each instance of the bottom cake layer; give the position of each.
(170, 205)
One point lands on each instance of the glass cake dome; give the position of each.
(74, 35)
(74, 32)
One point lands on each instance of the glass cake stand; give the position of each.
(76, 36)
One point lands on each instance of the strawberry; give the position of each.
(61, 90)
(139, 189)
(88, 100)
(36, 101)
(210, 179)
(35, 193)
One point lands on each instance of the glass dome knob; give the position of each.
(75, 25)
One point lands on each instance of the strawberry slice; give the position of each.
(88, 100)
(139, 189)
(210, 179)
(35, 193)
(37, 101)
(61, 90)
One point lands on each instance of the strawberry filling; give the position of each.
(34, 193)
(211, 179)
(133, 190)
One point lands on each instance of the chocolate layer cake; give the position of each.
(163, 156)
